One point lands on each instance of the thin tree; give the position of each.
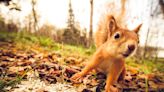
(33, 2)
(91, 23)
(70, 17)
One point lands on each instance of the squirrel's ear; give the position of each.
(136, 30)
(112, 25)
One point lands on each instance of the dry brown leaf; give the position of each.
(152, 84)
(128, 77)
(143, 76)
(16, 68)
(133, 70)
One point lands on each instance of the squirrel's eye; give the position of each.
(117, 36)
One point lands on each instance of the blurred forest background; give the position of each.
(67, 27)
(76, 25)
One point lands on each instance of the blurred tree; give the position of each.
(15, 5)
(33, 3)
(91, 24)
(32, 19)
(12, 4)
(28, 22)
(73, 34)
(69, 33)
(2, 24)
(152, 36)
(46, 30)
(71, 19)
(5, 1)
(161, 3)
(146, 49)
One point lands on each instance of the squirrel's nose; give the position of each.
(131, 47)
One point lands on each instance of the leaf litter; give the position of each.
(43, 71)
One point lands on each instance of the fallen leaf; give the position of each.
(86, 90)
(128, 77)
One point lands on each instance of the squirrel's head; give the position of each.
(122, 40)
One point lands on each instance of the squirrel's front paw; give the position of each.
(77, 78)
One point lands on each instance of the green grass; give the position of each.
(9, 83)
(147, 66)
(13, 82)
(27, 40)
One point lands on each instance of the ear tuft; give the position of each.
(136, 30)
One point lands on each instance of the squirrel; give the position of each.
(113, 44)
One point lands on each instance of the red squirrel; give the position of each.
(113, 44)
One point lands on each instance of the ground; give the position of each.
(28, 67)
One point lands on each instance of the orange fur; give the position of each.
(113, 44)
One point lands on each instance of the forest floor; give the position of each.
(29, 64)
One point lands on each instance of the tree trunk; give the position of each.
(91, 22)
(34, 15)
